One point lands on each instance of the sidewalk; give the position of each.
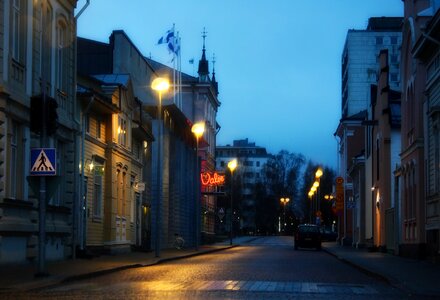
(21, 277)
(415, 277)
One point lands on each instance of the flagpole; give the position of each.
(174, 63)
(179, 63)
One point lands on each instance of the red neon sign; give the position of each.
(209, 178)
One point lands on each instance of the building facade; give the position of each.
(413, 74)
(37, 59)
(427, 51)
(360, 65)
(251, 162)
(385, 150)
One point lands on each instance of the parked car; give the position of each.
(308, 235)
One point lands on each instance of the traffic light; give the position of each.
(36, 114)
(51, 116)
(37, 110)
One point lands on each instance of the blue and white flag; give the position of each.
(174, 45)
(167, 37)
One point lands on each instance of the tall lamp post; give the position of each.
(284, 201)
(318, 175)
(160, 85)
(231, 166)
(198, 129)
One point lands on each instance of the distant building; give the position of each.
(251, 162)
(360, 61)
(360, 66)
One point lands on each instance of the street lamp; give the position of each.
(284, 201)
(160, 85)
(318, 175)
(198, 129)
(231, 166)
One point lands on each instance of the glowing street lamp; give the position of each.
(318, 173)
(232, 165)
(284, 201)
(198, 129)
(160, 85)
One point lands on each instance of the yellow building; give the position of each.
(114, 155)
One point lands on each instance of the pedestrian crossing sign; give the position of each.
(43, 162)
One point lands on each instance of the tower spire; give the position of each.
(214, 82)
(203, 63)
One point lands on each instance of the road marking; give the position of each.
(258, 286)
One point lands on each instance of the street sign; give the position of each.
(43, 162)
(339, 194)
(221, 213)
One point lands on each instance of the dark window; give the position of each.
(379, 40)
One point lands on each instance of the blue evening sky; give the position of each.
(277, 61)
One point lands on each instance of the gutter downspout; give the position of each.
(77, 200)
(82, 195)
(82, 10)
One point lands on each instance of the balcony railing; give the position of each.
(17, 72)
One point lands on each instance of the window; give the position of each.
(122, 131)
(393, 40)
(58, 196)
(222, 163)
(87, 123)
(13, 162)
(98, 128)
(258, 163)
(61, 71)
(394, 58)
(45, 56)
(394, 77)
(248, 163)
(379, 40)
(97, 191)
(18, 30)
(377, 159)
(436, 159)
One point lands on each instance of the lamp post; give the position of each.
(231, 166)
(160, 85)
(318, 175)
(284, 201)
(198, 129)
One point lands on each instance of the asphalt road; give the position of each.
(266, 268)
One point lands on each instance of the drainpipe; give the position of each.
(81, 184)
(76, 200)
(82, 10)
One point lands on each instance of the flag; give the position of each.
(174, 45)
(167, 37)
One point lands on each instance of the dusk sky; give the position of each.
(278, 62)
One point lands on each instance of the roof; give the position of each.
(385, 23)
(161, 68)
(119, 79)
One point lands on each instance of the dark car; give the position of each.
(308, 235)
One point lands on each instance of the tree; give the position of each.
(282, 174)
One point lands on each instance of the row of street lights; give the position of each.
(315, 190)
(162, 85)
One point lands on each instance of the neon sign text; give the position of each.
(209, 178)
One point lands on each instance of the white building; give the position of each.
(251, 161)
